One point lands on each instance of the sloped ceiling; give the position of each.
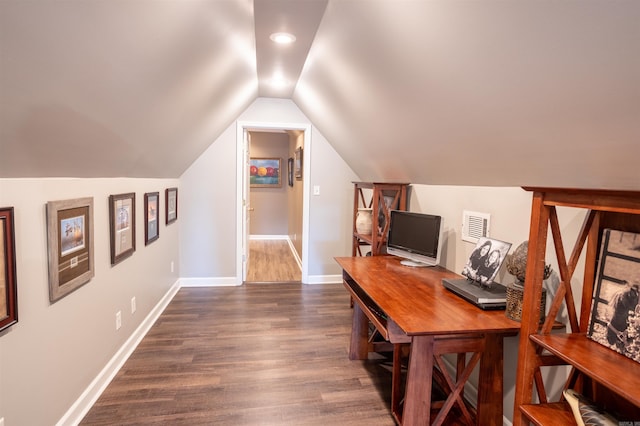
(462, 92)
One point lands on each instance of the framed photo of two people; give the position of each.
(485, 261)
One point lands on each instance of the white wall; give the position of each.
(55, 350)
(208, 191)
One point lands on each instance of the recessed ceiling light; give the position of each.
(279, 82)
(282, 38)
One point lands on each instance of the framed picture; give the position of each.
(615, 312)
(151, 228)
(298, 163)
(122, 226)
(171, 205)
(8, 286)
(485, 260)
(70, 245)
(264, 173)
(290, 170)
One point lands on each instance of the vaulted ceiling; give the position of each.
(460, 92)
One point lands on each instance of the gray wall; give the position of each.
(209, 187)
(270, 215)
(55, 350)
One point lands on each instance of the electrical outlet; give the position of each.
(172, 266)
(133, 304)
(316, 189)
(118, 320)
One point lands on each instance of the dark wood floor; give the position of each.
(259, 354)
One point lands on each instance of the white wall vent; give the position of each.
(475, 225)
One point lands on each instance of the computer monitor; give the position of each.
(416, 237)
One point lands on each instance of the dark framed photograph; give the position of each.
(8, 286)
(615, 312)
(298, 163)
(151, 228)
(290, 170)
(70, 245)
(171, 205)
(122, 226)
(264, 173)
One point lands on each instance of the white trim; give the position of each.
(208, 282)
(268, 237)
(295, 253)
(324, 279)
(83, 404)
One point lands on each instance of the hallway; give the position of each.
(272, 261)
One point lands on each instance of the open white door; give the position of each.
(246, 203)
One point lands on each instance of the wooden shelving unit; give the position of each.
(611, 380)
(372, 195)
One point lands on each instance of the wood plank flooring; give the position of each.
(272, 261)
(257, 354)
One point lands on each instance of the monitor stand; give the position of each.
(414, 264)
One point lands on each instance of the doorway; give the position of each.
(298, 236)
(275, 208)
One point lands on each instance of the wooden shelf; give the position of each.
(602, 364)
(557, 413)
(608, 378)
(381, 197)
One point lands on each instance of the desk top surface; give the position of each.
(416, 301)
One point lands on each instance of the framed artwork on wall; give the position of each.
(265, 173)
(290, 171)
(171, 205)
(151, 212)
(70, 245)
(298, 163)
(122, 226)
(8, 286)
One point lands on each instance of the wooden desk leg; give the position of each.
(491, 382)
(359, 345)
(417, 401)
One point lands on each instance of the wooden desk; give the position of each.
(410, 305)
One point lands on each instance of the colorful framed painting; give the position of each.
(151, 213)
(265, 173)
(122, 226)
(8, 286)
(70, 245)
(171, 205)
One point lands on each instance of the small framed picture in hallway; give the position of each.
(290, 170)
(298, 163)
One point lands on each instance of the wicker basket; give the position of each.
(515, 294)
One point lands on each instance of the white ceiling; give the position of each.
(461, 92)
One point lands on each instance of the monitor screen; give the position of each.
(416, 237)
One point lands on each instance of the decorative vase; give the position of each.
(364, 221)
(515, 295)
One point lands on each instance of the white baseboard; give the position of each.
(83, 404)
(268, 237)
(295, 253)
(208, 282)
(325, 279)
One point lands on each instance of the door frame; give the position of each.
(241, 181)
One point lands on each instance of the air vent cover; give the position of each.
(475, 225)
